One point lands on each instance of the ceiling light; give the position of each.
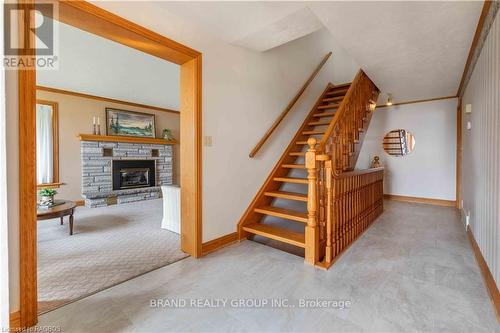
(389, 99)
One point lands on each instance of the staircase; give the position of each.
(283, 208)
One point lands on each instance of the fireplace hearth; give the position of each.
(128, 174)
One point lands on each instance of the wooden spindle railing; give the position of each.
(357, 200)
(342, 203)
(342, 137)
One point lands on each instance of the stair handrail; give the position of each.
(290, 105)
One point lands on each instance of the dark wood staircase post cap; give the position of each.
(312, 142)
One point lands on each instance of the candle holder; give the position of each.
(94, 129)
(98, 129)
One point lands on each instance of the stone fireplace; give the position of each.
(121, 172)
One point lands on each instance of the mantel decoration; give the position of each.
(47, 197)
(96, 129)
(167, 134)
(130, 123)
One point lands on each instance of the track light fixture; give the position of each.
(389, 99)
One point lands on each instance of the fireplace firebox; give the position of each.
(133, 174)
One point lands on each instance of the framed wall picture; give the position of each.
(130, 123)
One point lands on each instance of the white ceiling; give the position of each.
(295, 25)
(414, 50)
(98, 66)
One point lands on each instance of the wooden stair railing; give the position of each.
(351, 202)
(344, 136)
(343, 202)
(290, 105)
(316, 170)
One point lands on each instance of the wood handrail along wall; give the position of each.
(290, 105)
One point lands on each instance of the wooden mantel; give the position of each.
(131, 139)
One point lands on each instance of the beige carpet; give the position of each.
(109, 245)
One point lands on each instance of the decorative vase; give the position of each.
(47, 200)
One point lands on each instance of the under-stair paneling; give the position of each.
(481, 152)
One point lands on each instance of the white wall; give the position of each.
(98, 66)
(429, 171)
(260, 86)
(243, 93)
(481, 154)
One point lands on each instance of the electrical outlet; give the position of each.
(207, 141)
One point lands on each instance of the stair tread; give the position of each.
(291, 180)
(339, 92)
(279, 234)
(298, 153)
(287, 195)
(313, 132)
(319, 123)
(328, 106)
(283, 213)
(294, 166)
(332, 99)
(324, 114)
(342, 85)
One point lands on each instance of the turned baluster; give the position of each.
(311, 230)
(321, 196)
(329, 211)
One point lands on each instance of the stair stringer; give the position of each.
(250, 216)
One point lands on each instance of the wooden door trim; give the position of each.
(27, 176)
(88, 17)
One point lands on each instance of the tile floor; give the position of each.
(413, 270)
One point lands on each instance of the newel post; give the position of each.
(312, 230)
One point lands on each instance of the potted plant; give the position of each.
(47, 196)
(167, 134)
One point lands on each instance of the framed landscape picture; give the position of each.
(130, 123)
